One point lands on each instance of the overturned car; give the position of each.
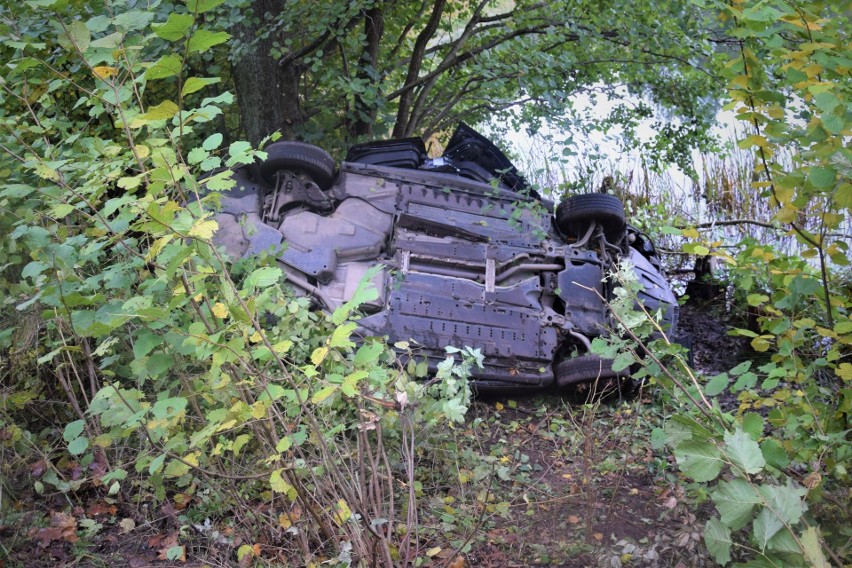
(471, 255)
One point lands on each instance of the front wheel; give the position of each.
(307, 158)
(575, 214)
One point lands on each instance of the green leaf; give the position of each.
(176, 469)
(753, 425)
(774, 453)
(194, 84)
(175, 27)
(349, 387)
(717, 537)
(133, 20)
(156, 464)
(73, 430)
(340, 337)
(145, 343)
(622, 361)
(201, 6)
(324, 393)
(197, 155)
(716, 385)
(167, 66)
(822, 177)
(239, 152)
(813, 549)
(212, 142)
(784, 542)
(169, 407)
(78, 33)
(745, 381)
(785, 501)
(368, 354)
(175, 553)
(833, 123)
(743, 452)
(658, 439)
(736, 500)
(700, 460)
(203, 40)
(365, 292)
(264, 277)
(162, 111)
(78, 445)
(766, 525)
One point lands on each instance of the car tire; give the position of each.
(290, 155)
(584, 369)
(574, 214)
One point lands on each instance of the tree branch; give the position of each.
(415, 65)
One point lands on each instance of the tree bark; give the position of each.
(267, 90)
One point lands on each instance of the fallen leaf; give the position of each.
(101, 509)
(126, 525)
(598, 536)
(170, 549)
(458, 562)
(433, 551)
(573, 519)
(62, 527)
(181, 501)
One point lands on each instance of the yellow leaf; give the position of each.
(318, 356)
(278, 483)
(342, 513)
(690, 233)
(284, 521)
(787, 214)
(740, 81)
(203, 229)
(760, 343)
(104, 72)
(258, 410)
(784, 194)
(433, 551)
(142, 151)
(844, 371)
(256, 337)
(220, 310)
(499, 406)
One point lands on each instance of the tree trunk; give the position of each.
(267, 90)
(365, 111)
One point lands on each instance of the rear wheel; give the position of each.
(584, 369)
(575, 214)
(307, 158)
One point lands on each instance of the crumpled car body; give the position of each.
(471, 255)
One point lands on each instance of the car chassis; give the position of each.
(470, 254)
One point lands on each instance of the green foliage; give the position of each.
(368, 68)
(185, 374)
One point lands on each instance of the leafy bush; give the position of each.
(188, 378)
